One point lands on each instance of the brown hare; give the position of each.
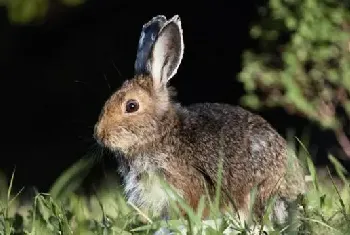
(155, 138)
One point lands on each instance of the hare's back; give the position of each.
(238, 132)
(233, 120)
(219, 111)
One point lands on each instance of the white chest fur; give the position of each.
(143, 187)
(146, 191)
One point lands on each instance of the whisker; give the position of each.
(96, 151)
(77, 81)
(116, 68)
(109, 86)
(86, 139)
(88, 85)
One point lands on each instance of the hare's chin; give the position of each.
(122, 143)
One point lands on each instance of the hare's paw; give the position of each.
(163, 231)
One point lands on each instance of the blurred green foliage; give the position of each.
(302, 60)
(27, 11)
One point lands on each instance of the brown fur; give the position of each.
(184, 145)
(191, 140)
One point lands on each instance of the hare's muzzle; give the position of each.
(100, 135)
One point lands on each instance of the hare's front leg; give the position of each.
(165, 230)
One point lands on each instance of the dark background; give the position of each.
(56, 75)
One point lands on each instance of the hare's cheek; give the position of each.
(121, 138)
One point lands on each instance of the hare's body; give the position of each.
(161, 140)
(188, 153)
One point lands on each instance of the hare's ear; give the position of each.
(149, 33)
(167, 52)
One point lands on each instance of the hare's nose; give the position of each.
(99, 133)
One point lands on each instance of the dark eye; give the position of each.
(131, 106)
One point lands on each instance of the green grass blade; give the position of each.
(72, 178)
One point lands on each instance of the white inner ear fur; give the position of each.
(167, 52)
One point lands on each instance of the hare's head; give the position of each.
(134, 115)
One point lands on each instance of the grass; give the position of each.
(64, 211)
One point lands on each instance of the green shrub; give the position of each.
(302, 62)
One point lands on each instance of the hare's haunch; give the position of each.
(161, 140)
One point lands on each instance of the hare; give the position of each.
(154, 138)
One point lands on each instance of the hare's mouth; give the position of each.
(105, 140)
(117, 140)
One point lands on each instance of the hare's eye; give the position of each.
(131, 106)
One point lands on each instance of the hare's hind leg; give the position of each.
(267, 193)
(284, 213)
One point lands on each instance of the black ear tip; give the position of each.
(159, 19)
(176, 19)
(149, 33)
